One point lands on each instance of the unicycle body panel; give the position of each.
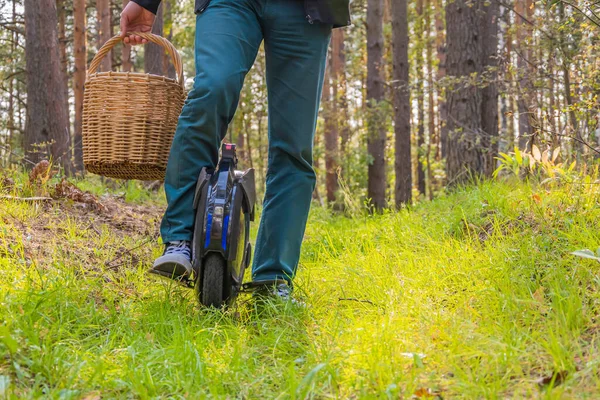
(221, 250)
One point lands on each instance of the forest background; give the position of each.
(418, 95)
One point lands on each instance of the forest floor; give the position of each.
(472, 295)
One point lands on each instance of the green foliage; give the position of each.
(543, 166)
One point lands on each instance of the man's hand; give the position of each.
(135, 18)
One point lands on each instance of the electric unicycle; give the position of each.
(221, 250)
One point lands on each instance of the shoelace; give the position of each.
(179, 247)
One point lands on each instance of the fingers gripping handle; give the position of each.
(175, 57)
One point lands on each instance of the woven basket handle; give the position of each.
(149, 37)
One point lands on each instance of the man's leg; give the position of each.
(228, 35)
(296, 53)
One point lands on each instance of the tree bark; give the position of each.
(168, 21)
(420, 39)
(489, 90)
(79, 44)
(402, 163)
(430, 97)
(375, 94)
(465, 153)
(440, 44)
(340, 89)
(47, 125)
(104, 31)
(525, 131)
(153, 53)
(126, 63)
(64, 61)
(331, 137)
(11, 98)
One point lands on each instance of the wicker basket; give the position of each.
(129, 118)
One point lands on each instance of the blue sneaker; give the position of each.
(176, 261)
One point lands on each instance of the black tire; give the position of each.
(212, 292)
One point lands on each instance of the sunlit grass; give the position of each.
(473, 295)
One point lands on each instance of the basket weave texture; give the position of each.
(129, 119)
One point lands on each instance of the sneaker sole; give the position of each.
(173, 269)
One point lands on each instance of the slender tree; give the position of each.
(440, 46)
(47, 125)
(154, 54)
(104, 31)
(331, 137)
(375, 95)
(419, 72)
(523, 71)
(340, 93)
(402, 164)
(430, 96)
(64, 61)
(80, 49)
(489, 88)
(126, 63)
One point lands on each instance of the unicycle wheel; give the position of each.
(212, 289)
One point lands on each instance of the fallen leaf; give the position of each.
(427, 392)
(555, 379)
(538, 295)
(92, 396)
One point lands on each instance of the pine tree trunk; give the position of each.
(104, 31)
(64, 62)
(489, 91)
(510, 95)
(440, 44)
(168, 21)
(403, 163)
(465, 154)
(79, 44)
(62, 44)
(47, 126)
(525, 131)
(340, 89)
(11, 87)
(331, 137)
(420, 39)
(430, 96)
(375, 94)
(153, 53)
(126, 63)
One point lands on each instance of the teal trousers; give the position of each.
(228, 36)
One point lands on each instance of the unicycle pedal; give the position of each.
(221, 250)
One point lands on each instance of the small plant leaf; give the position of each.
(8, 340)
(307, 380)
(586, 254)
(4, 384)
(535, 151)
(418, 360)
(518, 156)
(555, 154)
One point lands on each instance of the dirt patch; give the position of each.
(74, 226)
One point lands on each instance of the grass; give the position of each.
(473, 295)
